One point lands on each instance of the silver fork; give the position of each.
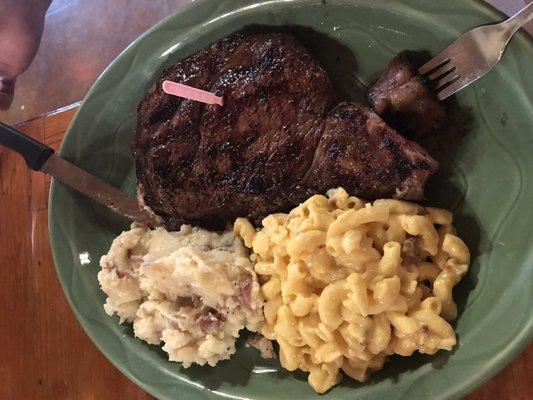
(471, 56)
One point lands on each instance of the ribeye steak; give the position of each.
(278, 138)
(401, 98)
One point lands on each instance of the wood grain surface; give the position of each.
(44, 352)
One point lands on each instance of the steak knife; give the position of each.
(40, 157)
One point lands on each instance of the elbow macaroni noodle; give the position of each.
(348, 284)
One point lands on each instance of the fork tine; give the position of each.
(438, 61)
(450, 89)
(448, 79)
(441, 72)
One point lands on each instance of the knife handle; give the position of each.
(35, 153)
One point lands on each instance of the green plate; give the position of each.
(485, 150)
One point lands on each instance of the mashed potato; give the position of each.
(193, 290)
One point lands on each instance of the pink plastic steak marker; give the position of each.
(188, 92)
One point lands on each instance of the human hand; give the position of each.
(21, 28)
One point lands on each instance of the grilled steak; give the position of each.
(403, 100)
(277, 140)
(360, 152)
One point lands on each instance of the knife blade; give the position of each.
(93, 187)
(40, 157)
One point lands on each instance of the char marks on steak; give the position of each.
(278, 139)
(360, 152)
(402, 98)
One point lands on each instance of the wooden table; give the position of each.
(44, 352)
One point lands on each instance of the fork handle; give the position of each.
(519, 19)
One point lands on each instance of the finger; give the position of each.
(5, 101)
(7, 89)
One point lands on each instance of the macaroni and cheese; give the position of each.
(348, 283)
